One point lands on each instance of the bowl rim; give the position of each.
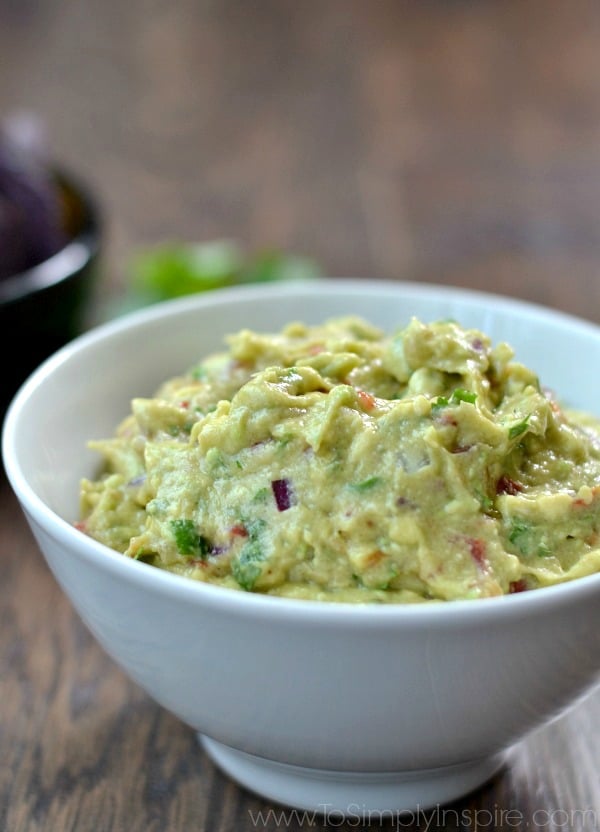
(448, 613)
(68, 260)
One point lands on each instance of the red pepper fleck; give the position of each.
(517, 586)
(366, 399)
(184, 404)
(477, 549)
(238, 530)
(405, 502)
(374, 558)
(447, 419)
(506, 485)
(315, 349)
(81, 525)
(461, 449)
(581, 501)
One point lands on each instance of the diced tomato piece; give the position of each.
(366, 399)
(477, 550)
(506, 485)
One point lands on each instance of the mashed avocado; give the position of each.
(337, 463)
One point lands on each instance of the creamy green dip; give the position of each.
(338, 463)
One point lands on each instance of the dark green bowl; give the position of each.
(44, 307)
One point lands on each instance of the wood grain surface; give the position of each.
(445, 141)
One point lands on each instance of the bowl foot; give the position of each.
(368, 795)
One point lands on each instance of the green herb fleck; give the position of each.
(198, 373)
(366, 485)
(486, 502)
(188, 540)
(523, 536)
(143, 556)
(544, 551)
(246, 569)
(254, 527)
(440, 402)
(519, 428)
(459, 395)
(261, 495)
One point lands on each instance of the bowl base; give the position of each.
(368, 795)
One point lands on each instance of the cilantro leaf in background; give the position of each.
(172, 270)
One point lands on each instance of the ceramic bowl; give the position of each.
(325, 706)
(44, 307)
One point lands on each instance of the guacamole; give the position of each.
(338, 463)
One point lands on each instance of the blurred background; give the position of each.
(449, 141)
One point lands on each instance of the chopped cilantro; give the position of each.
(366, 485)
(198, 373)
(486, 502)
(518, 530)
(261, 495)
(526, 538)
(518, 428)
(246, 568)
(144, 556)
(188, 540)
(254, 527)
(459, 395)
(440, 402)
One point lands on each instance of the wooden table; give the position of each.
(451, 142)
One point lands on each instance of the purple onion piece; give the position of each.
(30, 211)
(284, 494)
(139, 480)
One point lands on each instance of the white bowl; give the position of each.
(324, 706)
